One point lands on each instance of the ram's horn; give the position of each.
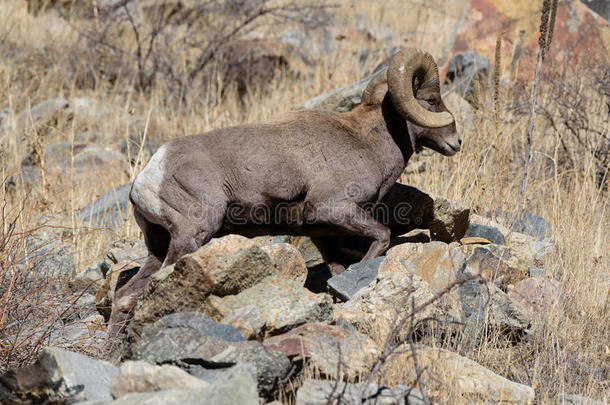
(404, 68)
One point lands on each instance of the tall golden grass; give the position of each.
(569, 349)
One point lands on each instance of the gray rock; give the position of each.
(236, 385)
(463, 69)
(572, 399)
(525, 223)
(47, 257)
(273, 306)
(140, 376)
(486, 306)
(91, 278)
(316, 392)
(130, 251)
(357, 276)
(195, 321)
(38, 115)
(184, 343)
(601, 7)
(111, 209)
(58, 376)
(490, 233)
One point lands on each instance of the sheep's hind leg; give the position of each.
(350, 218)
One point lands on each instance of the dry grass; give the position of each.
(569, 349)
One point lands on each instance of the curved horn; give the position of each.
(379, 78)
(404, 68)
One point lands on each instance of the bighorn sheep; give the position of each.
(317, 168)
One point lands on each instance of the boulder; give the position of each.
(463, 69)
(140, 376)
(90, 278)
(126, 250)
(316, 392)
(461, 379)
(341, 99)
(436, 263)
(499, 264)
(58, 376)
(46, 258)
(236, 385)
(526, 223)
(490, 233)
(485, 307)
(288, 261)
(307, 249)
(37, 116)
(273, 306)
(357, 276)
(222, 267)
(330, 350)
(192, 338)
(374, 308)
(536, 294)
(110, 210)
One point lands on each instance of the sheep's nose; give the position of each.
(460, 141)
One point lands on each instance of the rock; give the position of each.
(234, 386)
(601, 7)
(316, 392)
(462, 71)
(499, 264)
(288, 261)
(536, 294)
(46, 258)
(487, 307)
(374, 308)
(357, 276)
(490, 233)
(223, 266)
(470, 382)
(437, 263)
(191, 338)
(572, 399)
(308, 250)
(404, 208)
(325, 347)
(133, 251)
(520, 41)
(139, 376)
(38, 115)
(342, 99)
(526, 223)
(58, 376)
(90, 278)
(273, 306)
(118, 275)
(110, 210)
(73, 164)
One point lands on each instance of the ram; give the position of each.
(305, 172)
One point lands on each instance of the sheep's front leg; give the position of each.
(350, 218)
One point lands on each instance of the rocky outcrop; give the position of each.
(330, 350)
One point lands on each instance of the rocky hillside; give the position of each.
(242, 320)
(491, 292)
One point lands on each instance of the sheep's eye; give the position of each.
(431, 101)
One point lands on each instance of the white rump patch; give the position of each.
(146, 187)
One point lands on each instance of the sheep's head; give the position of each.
(414, 88)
